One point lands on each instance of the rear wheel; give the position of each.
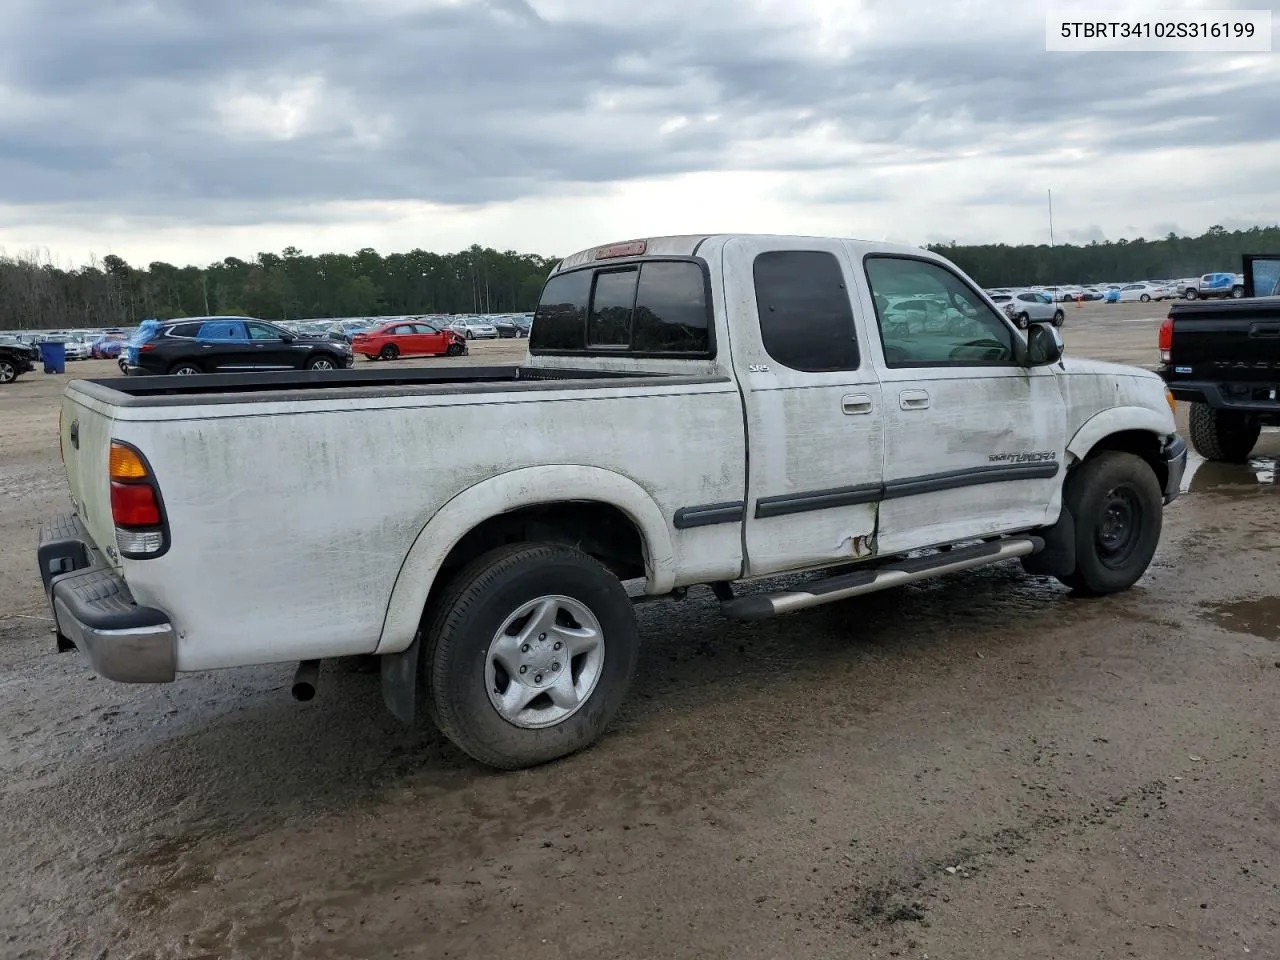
(389, 352)
(471, 335)
(1145, 298)
(1225, 436)
(1059, 318)
(1237, 292)
(184, 370)
(1191, 293)
(529, 654)
(8, 371)
(1118, 508)
(319, 363)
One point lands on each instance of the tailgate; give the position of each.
(86, 439)
(1226, 341)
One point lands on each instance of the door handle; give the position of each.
(1264, 330)
(855, 403)
(914, 399)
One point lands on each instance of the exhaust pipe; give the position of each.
(306, 680)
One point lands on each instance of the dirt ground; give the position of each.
(980, 767)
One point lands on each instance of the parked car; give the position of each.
(474, 329)
(220, 526)
(228, 344)
(1222, 359)
(15, 360)
(390, 341)
(1028, 308)
(107, 347)
(1213, 285)
(78, 349)
(1141, 292)
(507, 327)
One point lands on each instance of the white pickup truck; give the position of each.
(691, 410)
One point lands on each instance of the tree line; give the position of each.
(37, 294)
(1119, 261)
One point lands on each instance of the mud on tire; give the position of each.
(464, 657)
(1118, 508)
(1225, 436)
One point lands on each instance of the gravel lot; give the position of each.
(981, 767)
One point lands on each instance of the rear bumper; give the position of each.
(95, 611)
(1174, 453)
(1212, 394)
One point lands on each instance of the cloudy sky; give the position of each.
(189, 130)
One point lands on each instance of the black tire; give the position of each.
(1237, 293)
(322, 363)
(1059, 318)
(1118, 507)
(455, 350)
(470, 335)
(1191, 293)
(389, 352)
(8, 371)
(1145, 298)
(184, 370)
(1224, 436)
(469, 615)
(1024, 321)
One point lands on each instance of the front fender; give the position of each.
(526, 487)
(1117, 419)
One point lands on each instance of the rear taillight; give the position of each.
(1166, 340)
(136, 507)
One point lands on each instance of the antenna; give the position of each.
(1055, 285)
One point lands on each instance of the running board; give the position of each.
(893, 573)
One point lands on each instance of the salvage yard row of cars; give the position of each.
(1207, 286)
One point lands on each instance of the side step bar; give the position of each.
(894, 573)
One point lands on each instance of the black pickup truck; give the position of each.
(1223, 358)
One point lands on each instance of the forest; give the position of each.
(291, 285)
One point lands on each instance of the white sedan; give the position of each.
(475, 329)
(1144, 292)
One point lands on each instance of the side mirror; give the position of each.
(1044, 345)
(288, 337)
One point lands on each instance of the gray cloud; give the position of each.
(149, 108)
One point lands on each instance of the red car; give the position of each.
(407, 338)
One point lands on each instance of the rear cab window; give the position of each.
(645, 308)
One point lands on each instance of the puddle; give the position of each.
(1259, 618)
(1203, 476)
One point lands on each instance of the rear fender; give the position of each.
(510, 491)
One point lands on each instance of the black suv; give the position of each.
(15, 360)
(228, 345)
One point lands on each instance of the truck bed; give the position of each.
(141, 391)
(1225, 341)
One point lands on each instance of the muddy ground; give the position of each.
(981, 767)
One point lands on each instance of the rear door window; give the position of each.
(222, 330)
(806, 320)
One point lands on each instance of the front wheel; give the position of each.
(455, 350)
(529, 654)
(1118, 508)
(319, 363)
(1059, 318)
(1224, 436)
(1237, 293)
(184, 370)
(8, 371)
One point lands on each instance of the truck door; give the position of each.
(815, 424)
(975, 441)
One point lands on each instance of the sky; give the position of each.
(191, 130)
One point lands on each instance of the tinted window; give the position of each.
(182, 330)
(671, 310)
(402, 329)
(806, 321)
(560, 322)
(222, 330)
(262, 331)
(929, 317)
(423, 328)
(609, 324)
